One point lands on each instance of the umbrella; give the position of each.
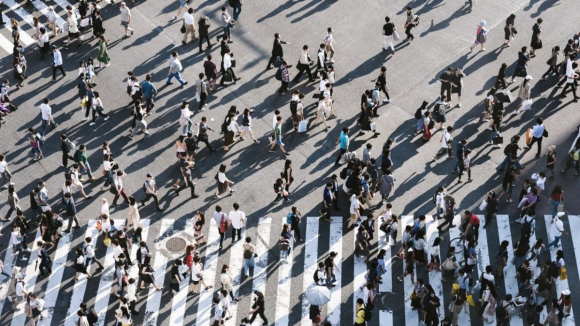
(504, 97)
(318, 295)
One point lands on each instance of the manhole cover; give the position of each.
(175, 244)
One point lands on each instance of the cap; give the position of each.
(149, 175)
(123, 3)
(20, 275)
(566, 292)
(482, 23)
(560, 214)
(528, 77)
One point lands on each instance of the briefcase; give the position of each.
(228, 77)
(497, 140)
(278, 62)
(233, 63)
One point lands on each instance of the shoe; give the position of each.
(107, 118)
(287, 154)
(271, 151)
(131, 137)
(170, 83)
(147, 136)
(195, 196)
(85, 118)
(159, 209)
(185, 83)
(81, 180)
(92, 179)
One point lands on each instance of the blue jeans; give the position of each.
(187, 126)
(555, 242)
(18, 248)
(493, 133)
(109, 178)
(177, 76)
(43, 125)
(237, 11)
(248, 263)
(439, 212)
(227, 31)
(86, 170)
(555, 204)
(330, 279)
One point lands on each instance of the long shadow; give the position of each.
(321, 6)
(274, 13)
(543, 7)
(444, 23)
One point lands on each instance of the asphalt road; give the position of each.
(443, 37)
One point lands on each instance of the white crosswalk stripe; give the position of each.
(280, 276)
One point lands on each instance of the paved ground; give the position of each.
(442, 39)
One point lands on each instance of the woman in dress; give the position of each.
(103, 57)
(35, 305)
(80, 265)
(536, 43)
(457, 84)
(147, 274)
(509, 29)
(488, 297)
(198, 222)
(426, 122)
(223, 182)
(287, 238)
(435, 252)
(481, 36)
(247, 125)
(361, 249)
(123, 316)
(133, 218)
(232, 130)
(227, 281)
(409, 267)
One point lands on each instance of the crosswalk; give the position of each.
(24, 15)
(275, 274)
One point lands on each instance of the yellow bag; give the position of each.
(528, 136)
(412, 295)
(107, 241)
(563, 273)
(455, 289)
(470, 300)
(84, 101)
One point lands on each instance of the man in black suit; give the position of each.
(277, 51)
(224, 48)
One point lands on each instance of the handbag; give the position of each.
(228, 77)
(526, 105)
(470, 300)
(455, 289)
(183, 30)
(498, 140)
(278, 62)
(233, 61)
(483, 205)
(302, 125)
(563, 273)
(373, 126)
(396, 36)
(107, 242)
(283, 246)
(451, 307)
(84, 22)
(528, 136)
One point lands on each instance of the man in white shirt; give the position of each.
(228, 67)
(538, 135)
(89, 252)
(571, 77)
(218, 312)
(175, 68)
(304, 65)
(238, 220)
(19, 292)
(132, 295)
(57, 63)
(5, 173)
(557, 230)
(46, 114)
(189, 23)
(151, 191)
(117, 250)
(126, 19)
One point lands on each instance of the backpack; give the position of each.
(500, 311)
(92, 317)
(368, 314)
(145, 186)
(507, 150)
(352, 181)
(232, 3)
(526, 226)
(293, 106)
(71, 146)
(435, 197)
(343, 173)
(471, 281)
(138, 93)
(316, 278)
(418, 114)
(206, 20)
(436, 108)
(223, 224)
(191, 144)
(499, 255)
(416, 20)
(289, 218)
(68, 175)
(278, 74)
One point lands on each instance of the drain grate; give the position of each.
(176, 244)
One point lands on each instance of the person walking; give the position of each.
(277, 51)
(237, 219)
(146, 274)
(226, 24)
(118, 189)
(73, 31)
(571, 80)
(227, 65)
(409, 24)
(223, 182)
(538, 132)
(278, 137)
(258, 308)
(45, 260)
(202, 90)
(89, 253)
(237, 5)
(553, 63)
(71, 211)
(522, 64)
(97, 20)
(126, 19)
(303, 65)
(557, 230)
(80, 266)
(187, 180)
(150, 187)
(182, 6)
(103, 56)
(284, 77)
(57, 62)
(66, 146)
(536, 43)
(189, 24)
(509, 30)
(133, 218)
(388, 30)
(175, 68)
(344, 141)
(480, 37)
(203, 27)
(210, 70)
(97, 109)
(524, 93)
(202, 135)
(247, 125)
(140, 123)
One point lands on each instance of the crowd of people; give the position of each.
(363, 177)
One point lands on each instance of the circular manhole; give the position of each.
(175, 244)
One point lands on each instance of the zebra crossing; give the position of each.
(24, 15)
(275, 274)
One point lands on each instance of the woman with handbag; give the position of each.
(557, 200)
(249, 255)
(435, 252)
(43, 42)
(449, 265)
(146, 274)
(509, 30)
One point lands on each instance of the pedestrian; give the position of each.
(277, 51)
(228, 63)
(321, 112)
(97, 22)
(35, 145)
(118, 189)
(103, 56)
(237, 5)
(187, 180)
(522, 63)
(388, 30)
(80, 266)
(427, 126)
(186, 124)
(227, 282)
(247, 125)
(411, 22)
(57, 62)
(321, 60)
(249, 256)
(97, 109)
(202, 135)
(551, 161)
(146, 274)
(284, 77)
(457, 302)
(509, 30)
(210, 70)
(175, 68)
(150, 188)
(203, 27)
(140, 123)
(446, 83)
(182, 5)
(189, 24)
(480, 37)
(457, 85)
(360, 312)
(223, 182)
(237, 219)
(43, 43)
(409, 267)
(536, 43)
(303, 65)
(126, 19)
(571, 81)
(73, 31)
(226, 24)
(553, 63)
(446, 144)
(52, 18)
(202, 91)
(278, 136)
(133, 218)
(45, 260)
(465, 166)
(344, 141)
(258, 308)
(219, 311)
(89, 254)
(524, 93)
(71, 211)
(221, 222)
(504, 311)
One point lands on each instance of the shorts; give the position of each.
(246, 128)
(175, 287)
(19, 298)
(125, 24)
(71, 34)
(182, 3)
(353, 217)
(194, 282)
(279, 141)
(508, 191)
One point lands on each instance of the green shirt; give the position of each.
(82, 157)
(278, 131)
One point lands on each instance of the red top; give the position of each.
(474, 220)
(557, 197)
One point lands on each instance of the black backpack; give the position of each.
(436, 108)
(554, 270)
(278, 74)
(293, 106)
(507, 150)
(368, 314)
(435, 197)
(418, 114)
(315, 276)
(416, 20)
(352, 181)
(526, 226)
(68, 175)
(191, 143)
(343, 173)
(92, 316)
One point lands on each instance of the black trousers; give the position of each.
(205, 140)
(539, 141)
(59, 67)
(342, 152)
(283, 88)
(201, 38)
(553, 69)
(573, 85)
(384, 90)
(301, 69)
(222, 236)
(238, 232)
(446, 89)
(149, 196)
(223, 75)
(99, 112)
(296, 230)
(65, 157)
(90, 260)
(44, 264)
(488, 218)
(408, 31)
(202, 98)
(325, 212)
(261, 313)
(271, 61)
(448, 220)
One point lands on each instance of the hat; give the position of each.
(149, 175)
(20, 275)
(482, 23)
(123, 3)
(528, 77)
(50, 8)
(560, 214)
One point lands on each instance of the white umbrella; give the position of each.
(318, 295)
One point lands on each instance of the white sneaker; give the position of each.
(107, 118)
(85, 119)
(23, 259)
(92, 123)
